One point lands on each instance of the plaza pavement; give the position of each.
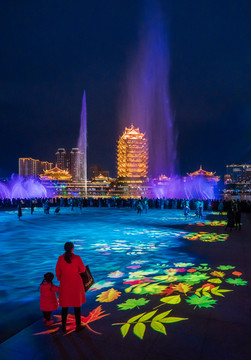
(219, 333)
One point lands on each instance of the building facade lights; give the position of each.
(132, 156)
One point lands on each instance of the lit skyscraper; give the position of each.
(33, 167)
(61, 158)
(75, 154)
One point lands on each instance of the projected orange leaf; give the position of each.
(168, 291)
(94, 315)
(184, 288)
(237, 273)
(191, 270)
(108, 296)
(207, 285)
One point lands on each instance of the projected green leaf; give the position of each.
(193, 278)
(148, 289)
(132, 303)
(236, 281)
(225, 267)
(203, 268)
(202, 301)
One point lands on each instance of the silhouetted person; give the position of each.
(19, 211)
(32, 207)
(139, 208)
(230, 219)
(220, 207)
(238, 219)
(57, 210)
(200, 210)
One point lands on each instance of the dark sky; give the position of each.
(52, 50)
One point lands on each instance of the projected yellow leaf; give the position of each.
(215, 281)
(218, 292)
(147, 316)
(166, 278)
(108, 296)
(171, 299)
(181, 287)
(124, 329)
(139, 330)
(218, 273)
(157, 326)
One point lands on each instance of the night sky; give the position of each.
(52, 50)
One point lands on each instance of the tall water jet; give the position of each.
(82, 145)
(145, 100)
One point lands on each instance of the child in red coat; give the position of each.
(48, 297)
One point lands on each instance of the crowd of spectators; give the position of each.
(157, 203)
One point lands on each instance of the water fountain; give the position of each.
(145, 103)
(20, 188)
(82, 145)
(145, 99)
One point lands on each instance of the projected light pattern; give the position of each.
(176, 288)
(137, 264)
(207, 237)
(117, 238)
(211, 223)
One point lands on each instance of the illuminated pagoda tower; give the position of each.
(132, 156)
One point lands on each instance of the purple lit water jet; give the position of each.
(20, 188)
(178, 188)
(145, 100)
(82, 145)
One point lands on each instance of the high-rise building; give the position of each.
(29, 167)
(132, 156)
(74, 159)
(45, 165)
(61, 156)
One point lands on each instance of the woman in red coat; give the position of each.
(71, 288)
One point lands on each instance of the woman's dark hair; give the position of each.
(68, 246)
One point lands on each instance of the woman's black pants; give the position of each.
(76, 312)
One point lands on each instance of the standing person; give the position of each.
(139, 208)
(220, 207)
(71, 289)
(19, 211)
(200, 210)
(237, 219)
(230, 219)
(48, 297)
(32, 207)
